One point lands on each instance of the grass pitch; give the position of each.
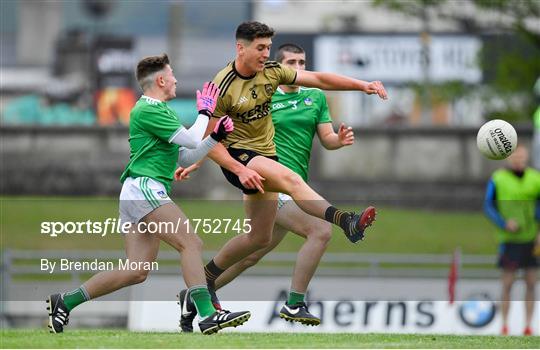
(125, 339)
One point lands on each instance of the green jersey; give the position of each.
(517, 199)
(152, 125)
(296, 116)
(536, 118)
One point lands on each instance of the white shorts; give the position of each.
(282, 199)
(139, 197)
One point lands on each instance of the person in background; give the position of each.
(511, 203)
(536, 121)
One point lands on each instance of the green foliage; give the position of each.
(511, 65)
(510, 59)
(518, 10)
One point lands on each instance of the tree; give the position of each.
(510, 57)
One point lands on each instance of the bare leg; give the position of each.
(281, 179)
(290, 217)
(530, 282)
(317, 233)
(507, 280)
(261, 210)
(234, 271)
(143, 247)
(188, 244)
(140, 247)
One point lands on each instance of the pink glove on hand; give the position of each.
(223, 127)
(207, 99)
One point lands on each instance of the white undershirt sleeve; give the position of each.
(188, 157)
(191, 137)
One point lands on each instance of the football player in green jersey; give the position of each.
(248, 158)
(157, 140)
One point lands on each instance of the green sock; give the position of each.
(295, 298)
(75, 297)
(202, 300)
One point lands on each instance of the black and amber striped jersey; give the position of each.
(247, 101)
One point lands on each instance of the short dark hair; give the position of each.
(252, 30)
(148, 66)
(293, 48)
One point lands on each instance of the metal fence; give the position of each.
(21, 263)
(20, 272)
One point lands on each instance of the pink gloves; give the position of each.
(223, 127)
(207, 99)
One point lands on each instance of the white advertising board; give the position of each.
(472, 317)
(398, 58)
(477, 313)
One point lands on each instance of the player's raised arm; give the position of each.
(331, 81)
(206, 104)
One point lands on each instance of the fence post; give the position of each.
(5, 271)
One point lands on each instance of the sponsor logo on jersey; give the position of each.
(258, 112)
(308, 101)
(278, 106)
(242, 99)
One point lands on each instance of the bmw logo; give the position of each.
(477, 311)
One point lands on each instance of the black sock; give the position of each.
(336, 217)
(212, 272)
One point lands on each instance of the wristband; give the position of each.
(206, 112)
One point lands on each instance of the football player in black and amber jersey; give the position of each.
(248, 156)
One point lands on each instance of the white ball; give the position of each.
(496, 139)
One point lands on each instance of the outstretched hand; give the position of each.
(207, 99)
(376, 87)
